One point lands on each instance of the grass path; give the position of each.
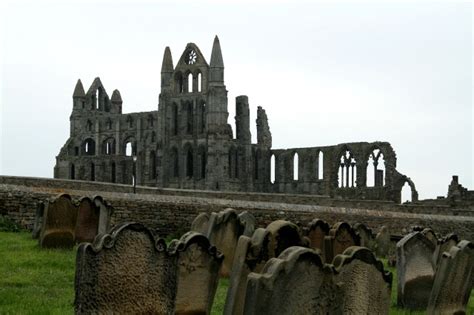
(38, 281)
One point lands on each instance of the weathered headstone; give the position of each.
(249, 223)
(252, 254)
(382, 242)
(444, 245)
(366, 285)
(430, 234)
(198, 274)
(59, 222)
(201, 223)
(125, 272)
(105, 213)
(365, 234)
(317, 230)
(224, 231)
(39, 216)
(414, 270)
(341, 236)
(87, 221)
(297, 282)
(453, 280)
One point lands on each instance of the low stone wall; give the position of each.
(297, 199)
(173, 214)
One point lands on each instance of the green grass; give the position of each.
(38, 281)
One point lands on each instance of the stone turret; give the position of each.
(242, 119)
(79, 96)
(217, 63)
(167, 68)
(116, 101)
(264, 136)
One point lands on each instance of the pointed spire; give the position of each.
(167, 65)
(216, 55)
(79, 90)
(116, 97)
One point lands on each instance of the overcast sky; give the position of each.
(325, 73)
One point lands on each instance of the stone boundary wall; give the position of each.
(172, 215)
(299, 199)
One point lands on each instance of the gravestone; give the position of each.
(444, 245)
(224, 231)
(105, 213)
(198, 274)
(127, 271)
(249, 223)
(59, 222)
(317, 230)
(252, 254)
(414, 271)
(382, 242)
(87, 221)
(430, 234)
(297, 282)
(453, 280)
(366, 285)
(341, 236)
(39, 216)
(365, 234)
(201, 223)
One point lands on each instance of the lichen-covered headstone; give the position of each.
(382, 242)
(453, 280)
(198, 275)
(201, 223)
(39, 215)
(224, 231)
(341, 236)
(365, 234)
(414, 271)
(297, 282)
(252, 254)
(59, 222)
(317, 231)
(125, 272)
(366, 285)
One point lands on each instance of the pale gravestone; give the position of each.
(105, 214)
(198, 275)
(59, 222)
(444, 245)
(414, 271)
(382, 242)
(39, 216)
(430, 234)
(297, 282)
(125, 272)
(201, 223)
(252, 254)
(365, 234)
(224, 231)
(317, 231)
(453, 280)
(341, 236)
(366, 285)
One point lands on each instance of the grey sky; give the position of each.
(325, 73)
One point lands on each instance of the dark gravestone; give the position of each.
(39, 216)
(365, 234)
(453, 280)
(341, 236)
(87, 221)
(224, 231)
(59, 222)
(366, 285)
(201, 223)
(382, 242)
(252, 254)
(297, 282)
(317, 231)
(125, 272)
(414, 271)
(198, 274)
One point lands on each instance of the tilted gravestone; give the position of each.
(297, 282)
(198, 275)
(453, 280)
(366, 285)
(414, 271)
(382, 242)
(444, 245)
(317, 230)
(127, 271)
(252, 254)
(365, 234)
(341, 236)
(224, 231)
(201, 223)
(39, 215)
(431, 235)
(59, 222)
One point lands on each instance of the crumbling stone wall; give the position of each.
(187, 142)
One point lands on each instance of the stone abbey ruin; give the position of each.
(187, 143)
